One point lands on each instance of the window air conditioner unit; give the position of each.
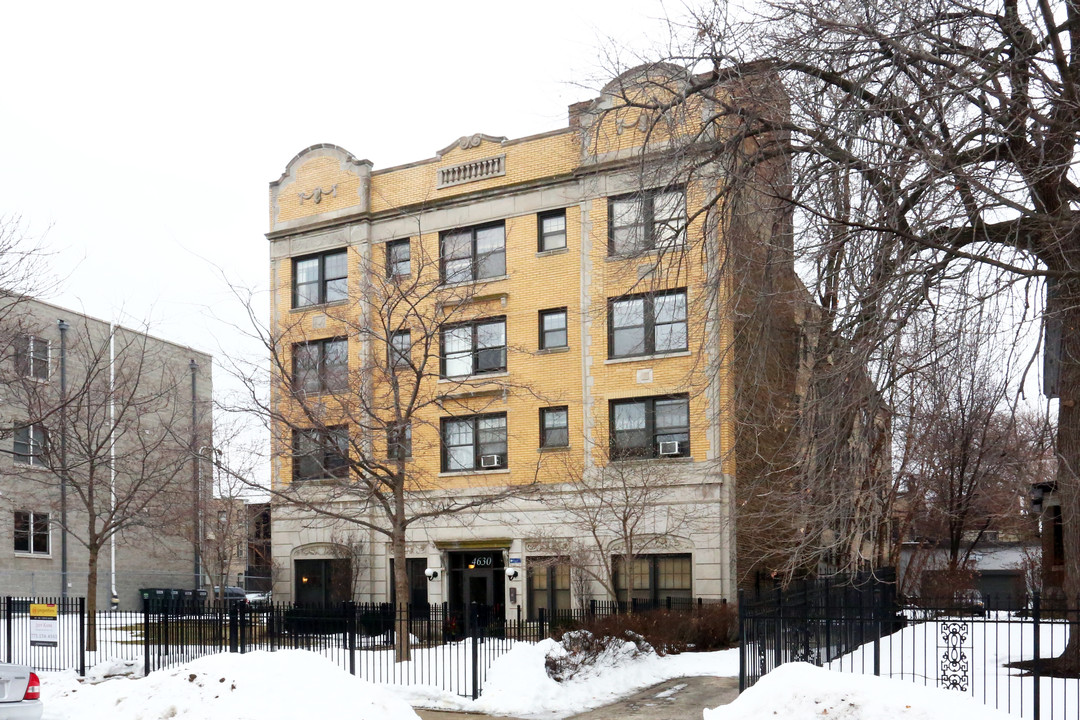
(490, 461)
(669, 448)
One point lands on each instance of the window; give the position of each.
(552, 328)
(401, 349)
(650, 427)
(320, 453)
(647, 324)
(320, 279)
(554, 427)
(418, 586)
(321, 366)
(399, 441)
(32, 357)
(548, 582)
(32, 533)
(551, 230)
(29, 445)
(473, 253)
(475, 347)
(398, 261)
(477, 442)
(656, 578)
(655, 219)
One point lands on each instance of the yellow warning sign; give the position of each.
(42, 610)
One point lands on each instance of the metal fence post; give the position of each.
(82, 636)
(1036, 669)
(475, 652)
(350, 632)
(8, 630)
(234, 627)
(742, 643)
(146, 635)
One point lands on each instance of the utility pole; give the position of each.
(196, 494)
(62, 324)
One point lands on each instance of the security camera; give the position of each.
(511, 573)
(431, 573)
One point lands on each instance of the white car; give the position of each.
(20, 693)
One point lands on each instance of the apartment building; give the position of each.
(526, 329)
(100, 426)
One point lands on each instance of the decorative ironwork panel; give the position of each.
(954, 646)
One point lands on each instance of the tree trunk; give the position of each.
(91, 599)
(1068, 455)
(401, 592)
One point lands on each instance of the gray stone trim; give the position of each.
(466, 142)
(471, 171)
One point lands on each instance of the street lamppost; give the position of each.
(196, 490)
(62, 324)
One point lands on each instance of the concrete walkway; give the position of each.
(679, 699)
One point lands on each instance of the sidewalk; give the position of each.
(677, 699)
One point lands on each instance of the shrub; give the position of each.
(706, 627)
(581, 650)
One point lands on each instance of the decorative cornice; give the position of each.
(466, 142)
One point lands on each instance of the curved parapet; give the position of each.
(322, 182)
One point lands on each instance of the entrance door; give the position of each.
(478, 587)
(477, 576)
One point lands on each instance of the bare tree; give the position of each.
(356, 431)
(619, 512)
(115, 442)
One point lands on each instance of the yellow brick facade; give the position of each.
(329, 200)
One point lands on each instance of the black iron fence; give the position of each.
(450, 649)
(968, 643)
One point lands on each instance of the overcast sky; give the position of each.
(139, 138)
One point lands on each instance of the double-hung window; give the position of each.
(474, 347)
(320, 279)
(650, 427)
(475, 442)
(29, 445)
(551, 230)
(553, 328)
(321, 453)
(31, 532)
(554, 427)
(400, 349)
(32, 357)
(474, 253)
(398, 258)
(647, 324)
(651, 220)
(399, 441)
(321, 366)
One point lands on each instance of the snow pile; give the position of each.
(518, 683)
(284, 685)
(799, 691)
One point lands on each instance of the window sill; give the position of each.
(478, 281)
(320, 306)
(681, 459)
(655, 356)
(553, 350)
(553, 251)
(33, 555)
(554, 448)
(463, 473)
(650, 253)
(480, 377)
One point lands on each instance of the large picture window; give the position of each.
(320, 279)
(548, 587)
(647, 324)
(475, 253)
(321, 366)
(29, 445)
(322, 453)
(650, 427)
(476, 442)
(652, 220)
(656, 578)
(474, 347)
(31, 532)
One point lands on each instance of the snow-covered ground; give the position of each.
(798, 691)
